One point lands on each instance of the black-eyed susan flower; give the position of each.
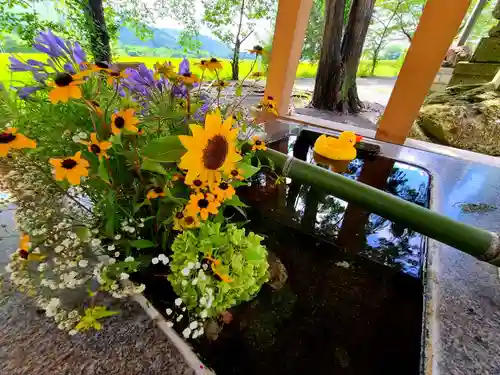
(269, 105)
(114, 75)
(65, 88)
(236, 174)
(72, 168)
(166, 69)
(24, 249)
(11, 139)
(99, 66)
(198, 185)
(188, 78)
(96, 108)
(125, 119)
(221, 84)
(178, 177)
(211, 149)
(213, 64)
(258, 75)
(223, 191)
(258, 144)
(202, 64)
(96, 147)
(184, 221)
(190, 221)
(156, 192)
(258, 50)
(202, 204)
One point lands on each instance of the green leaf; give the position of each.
(171, 198)
(153, 166)
(238, 90)
(82, 233)
(235, 202)
(248, 169)
(103, 171)
(167, 149)
(116, 139)
(137, 206)
(142, 244)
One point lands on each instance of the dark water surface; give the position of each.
(352, 300)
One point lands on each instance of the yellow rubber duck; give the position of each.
(341, 148)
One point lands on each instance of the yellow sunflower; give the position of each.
(224, 191)
(236, 174)
(10, 138)
(155, 193)
(189, 78)
(96, 147)
(198, 185)
(203, 204)
(72, 168)
(124, 119)
(211, 150)
(258, 50)
(213, 64)
(65, 88)
(258, 144)
(116, 76)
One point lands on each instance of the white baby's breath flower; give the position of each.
(190, 265)
(161, 257)
(118, 236)
(168, 311)
(197, 265)
(154, 260)
(194, 281)
(95, 242)
(124, 276)
(82, 135)
(111, 247)
(42, 267)
(193, 325)
(117, 254)
(83, 263)
(170, 324)
(186, 333)
(76, 138)
(112, 261)
(73, 332)
(183, 309)
(184, 282)
(129, 259)
(165, 261)
(185, 271)
(58, 249)
(179, 318)
(203, 314)
(178, 302)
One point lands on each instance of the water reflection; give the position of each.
(348, 225)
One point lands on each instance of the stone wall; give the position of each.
(441, 80)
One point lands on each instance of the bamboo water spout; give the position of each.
(477, 242)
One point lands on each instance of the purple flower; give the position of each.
(50, 44)
(25, 92)
(18, 66)
(40, 76)
(79, 54)
(37, 64)
(200, 114)
(184, 66)
(68, 67)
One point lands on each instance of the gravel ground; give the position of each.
(129, 343)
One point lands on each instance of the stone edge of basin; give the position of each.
(192, 360)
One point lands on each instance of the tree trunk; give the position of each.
(335, 86)
(352, 47)
(235, 62)
(327, 86)
(98, 33)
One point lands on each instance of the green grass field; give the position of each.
(386, 68)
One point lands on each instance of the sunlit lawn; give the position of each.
(385, 68)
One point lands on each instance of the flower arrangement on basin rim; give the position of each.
(114, 172)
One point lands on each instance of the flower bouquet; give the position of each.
(115, 171)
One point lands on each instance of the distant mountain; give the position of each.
(168, 38)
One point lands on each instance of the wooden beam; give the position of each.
(438, 27)
(291, 25)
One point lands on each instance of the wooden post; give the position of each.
(438, 27)
(291, 25)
